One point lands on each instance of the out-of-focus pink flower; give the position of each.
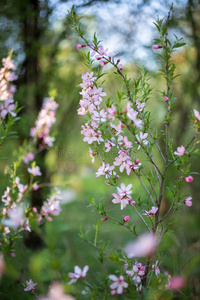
(78, 273)
(35, 187)
(79, 46)
(189, 179)
(29, 157)
(35, 210)
(156, 46)
(180, 151)
(188, 201)
(35, 171)
(166, 98)
(8, 63)
(56, 292)
(30, 285)
(197, 114)
(144, 246)
(176, 283)
(152, 212)
(156, 269)
(52, 205)
(126, 218)
(118, 283)
(16, 217)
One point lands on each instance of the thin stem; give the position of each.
(147, 153)
(146, 189)
(152, 187)
(121, 223)
(141, 217)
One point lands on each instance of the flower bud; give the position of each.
(166, 98)
(79, 46)
(189, 179)
(120, 67)
(156, 46)
(126, 218)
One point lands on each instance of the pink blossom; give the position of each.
(121, 160)
(156, 46)
(166, 98)
(117, 129)
(111, 112)
(99, 116)
(109, 145)
(197, 114)
(132, 115)
(78, 273)
(118, 283)
(79, 46)
(180, 151)
(52, 205)
(35, 171)
(176, 283)
(6, 198)
(6, 230)
(35, 187)
(156, 269)
(30, 285)
(7, 107)
(127, 143)
(8, 63)
(137, 271)
(144, 246)
(189, 179)
(123, 196)
(139, 105)
(105, 169)
(188, 201)
(152, 212)
(92, 155)
(16, 217)
(124, 190)
(56, 292)
(46, 118)
(141, 139)
(126, 218)
(28, 157)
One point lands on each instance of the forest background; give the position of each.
(44, 49)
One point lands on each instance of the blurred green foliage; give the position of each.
(48, 59)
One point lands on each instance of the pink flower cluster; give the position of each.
(7, 90)
(136, 272)
(44, 122)
(52, 206)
